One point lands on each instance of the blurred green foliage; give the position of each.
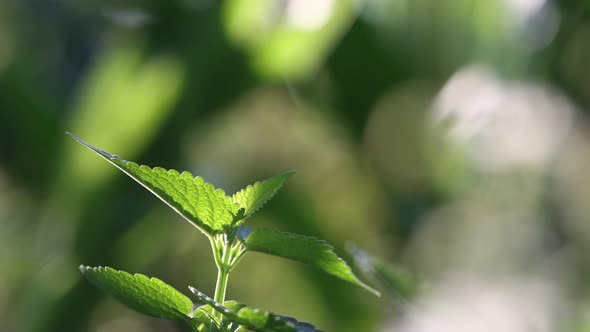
(343, 92)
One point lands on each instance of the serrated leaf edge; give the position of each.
(250, 213)
(111, 159)
(84, 268)
(204, 298)
(239, 320)
(327, 248)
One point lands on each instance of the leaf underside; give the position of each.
(197, 201)
(255, 196)
(253, 319)
(304, 249)
(150, 296)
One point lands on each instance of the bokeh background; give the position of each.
(448, 138)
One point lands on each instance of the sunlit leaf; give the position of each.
(255, 196)
(197, 201)
(203, 315)
(305, 249)
(150, 296)
(253, 319)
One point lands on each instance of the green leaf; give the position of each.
(203, 315)
(253, 319)
(255, 196)
(305, 249)
(207, 208)
(150, 296)
(394, 279)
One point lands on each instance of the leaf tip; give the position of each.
(202, 296)
(109, 157)
(372, 290)
(75, 137)
(194, 290)
(286, 176)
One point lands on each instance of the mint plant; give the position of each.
(221, 219)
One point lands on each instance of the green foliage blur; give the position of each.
(449, 137)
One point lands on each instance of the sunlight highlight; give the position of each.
(309, 14)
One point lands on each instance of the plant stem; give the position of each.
(222, 275)
(221, 285)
